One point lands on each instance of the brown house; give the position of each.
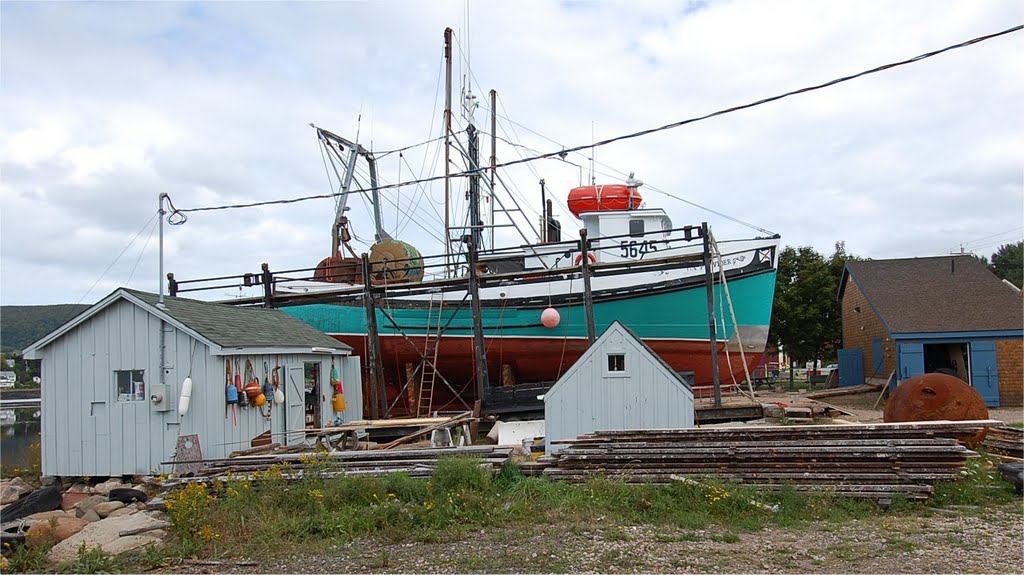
(921, 315)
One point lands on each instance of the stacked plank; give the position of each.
(415, 462)
(872, 461)
(1004, 441)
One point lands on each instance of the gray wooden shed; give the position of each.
(619, 383)
(108, 409)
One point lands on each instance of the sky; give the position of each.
(107, 105)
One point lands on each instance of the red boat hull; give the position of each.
(524, 360)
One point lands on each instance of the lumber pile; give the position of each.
(1004, 441)
(415, 462)
(870, 461)
(838, 391)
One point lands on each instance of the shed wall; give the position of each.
(87, 432)
(860, 329)
(588, 399)
(1010, 361)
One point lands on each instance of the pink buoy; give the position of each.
(550, 317)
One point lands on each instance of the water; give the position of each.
(19, 429)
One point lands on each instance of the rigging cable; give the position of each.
(181, 213)
(141, 252)
(99, 279)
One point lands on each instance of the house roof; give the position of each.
(936, 294)
(617, 326)
(224, 326)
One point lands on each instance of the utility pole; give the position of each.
(479, 351)
(447, 146)
(709, 280)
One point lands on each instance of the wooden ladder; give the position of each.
(428, 371)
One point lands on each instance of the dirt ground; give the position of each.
(947, 541)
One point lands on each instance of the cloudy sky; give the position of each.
(105, 106)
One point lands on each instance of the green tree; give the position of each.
(807, 317)
(1008, 263)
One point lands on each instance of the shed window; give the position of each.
(130, 385)
(616, 362)
(636, 228)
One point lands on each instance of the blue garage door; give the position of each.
(851, 367)
(911, 360)
(984, 372)
(878, 356)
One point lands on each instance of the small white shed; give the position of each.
(113, 378)
(619, 383)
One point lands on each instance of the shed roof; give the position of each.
(936, 294)
(225, 326)
(617, 326)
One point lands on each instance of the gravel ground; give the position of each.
(945, 541)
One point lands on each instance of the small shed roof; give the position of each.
(223, 326)
(617, 326)
(936, 294)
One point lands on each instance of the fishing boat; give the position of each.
(439, 331)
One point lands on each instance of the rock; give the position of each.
(55, 529)
(106, 535)
(48, 480)
(71, 498)
(105, 487)
(139, 505)
(91, 516)
(23, 488)
(46, 515)
(107, 507)
(8, 493)
(80, 488)
(88, 503)
(123, 511)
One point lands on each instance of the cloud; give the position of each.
(109, 105)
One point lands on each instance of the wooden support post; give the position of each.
(412, 389)
(267, 279)
(588, 300)
(172, 285)
(373, 347)
(709, 280)
(479, 351)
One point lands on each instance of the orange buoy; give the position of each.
(613, 197)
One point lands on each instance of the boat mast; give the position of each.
(447, 145)
(494, 155)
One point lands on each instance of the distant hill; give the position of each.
(22, 325)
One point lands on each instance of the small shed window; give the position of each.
(130, 385)
(636, 228)
(616, 362)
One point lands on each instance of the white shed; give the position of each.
(619, 383)
(113, 377)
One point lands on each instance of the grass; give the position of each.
(218, 519)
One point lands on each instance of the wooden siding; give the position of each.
(87, 432)
(1010, 362)
(590, 398)
(860, 329)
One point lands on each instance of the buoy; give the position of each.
(232, 395)
(260, 400)
(550, 317)
(590, 257)
(339, 402)
(278, 396)
(186, 396)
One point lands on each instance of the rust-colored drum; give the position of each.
(936, 396)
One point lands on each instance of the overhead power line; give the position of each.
(632, 135)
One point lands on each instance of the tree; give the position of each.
(1008, 263)
(807, 317)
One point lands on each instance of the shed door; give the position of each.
(984, 373)
(877, 356)
(911, 356)
(851, 366)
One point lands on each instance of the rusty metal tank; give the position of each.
(339, 269)
(936, 396)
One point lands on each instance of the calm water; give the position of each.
(19, 428)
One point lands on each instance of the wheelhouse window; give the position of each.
(617, 362)
(130, 385)
(636, 228)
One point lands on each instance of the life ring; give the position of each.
(590, 257)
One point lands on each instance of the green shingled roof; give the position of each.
(230, 326)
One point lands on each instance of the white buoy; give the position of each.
(186, 396)
(278, 396)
